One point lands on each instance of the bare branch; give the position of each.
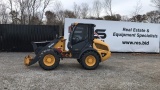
(108, 7)
(97, 7)
(76, 10)
(3, 14)
(58, 9)
(84, 10)
(45, 5)
(138, 8)
(156, 3)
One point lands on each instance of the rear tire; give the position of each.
(49, 60)
(90, 60)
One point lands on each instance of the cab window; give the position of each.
(80, 34)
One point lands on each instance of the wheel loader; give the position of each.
(82, 44)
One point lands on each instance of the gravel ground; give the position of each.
(123, 71)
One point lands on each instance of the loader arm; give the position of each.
(38, 50)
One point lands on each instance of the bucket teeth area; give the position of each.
(27, 60)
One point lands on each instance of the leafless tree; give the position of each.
(34, 6)
(51, 18)
(35, 20)
(116, 17)
(125, 18)
(84, 10)
(156, 3)
(22, 11)
(45, 5)
(97, 7)
(76, 10)
(69, 14)
(3, 14)
(58, 9)
(138, 8)
(11, 9)
(14, 15)
(28, 9)
(108, 7)
(153, 16)
(90, 12)
(136, 17)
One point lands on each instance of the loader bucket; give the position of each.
(27, 60)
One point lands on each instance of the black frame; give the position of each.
(78, 48)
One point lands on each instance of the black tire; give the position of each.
(95, 63)
(53, 56)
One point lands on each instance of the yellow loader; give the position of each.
(82, 45)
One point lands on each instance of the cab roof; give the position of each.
(83, 24)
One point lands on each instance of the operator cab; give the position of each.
(81, 36)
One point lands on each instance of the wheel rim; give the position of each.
(49, 60)
(90, 60)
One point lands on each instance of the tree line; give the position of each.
(51, 12)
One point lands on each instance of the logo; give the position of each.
(101, 33)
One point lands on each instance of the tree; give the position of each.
(58, 8)
(14, 15)
(125, 18)
(84, 10)
(156, 3)
(97, 7)
(28, 9)
(13, 11)
(69, 14)
(3, 14)
(116, 17)
(138, 18)
(153, 16)
(22, 11)
(138, 8)
(45, 5)
(51, 18)
(76, 10)
(33, 6)
(91, 17)
(108, 7)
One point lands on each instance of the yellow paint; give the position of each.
(101, 48)
(49, 60)
(27, 60)
(90, 60)
(75, 23)
(61, 45)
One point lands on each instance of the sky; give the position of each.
(122, 7)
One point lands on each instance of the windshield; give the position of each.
(80, 34)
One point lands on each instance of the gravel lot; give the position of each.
(123, 71)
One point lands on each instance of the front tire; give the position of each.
(49, 60)
(90, 60)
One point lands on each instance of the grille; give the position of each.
(103, 47)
